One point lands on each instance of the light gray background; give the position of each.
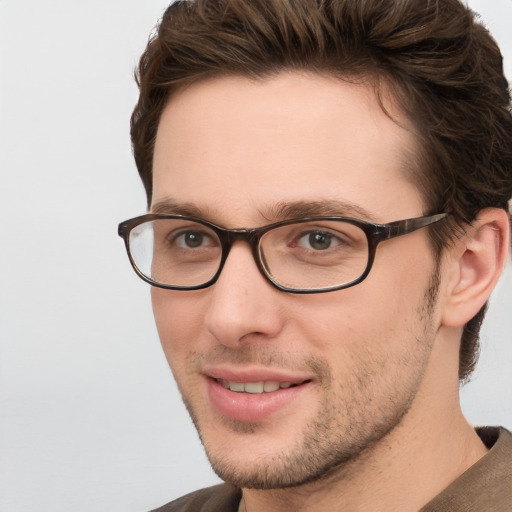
(90, 419)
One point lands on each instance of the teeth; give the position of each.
(254, 388)
(270, 386)
(237, 386)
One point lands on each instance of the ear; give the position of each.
(473, 266)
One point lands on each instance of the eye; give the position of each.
(193, 239)
(318, 240)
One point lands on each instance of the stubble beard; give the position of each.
(349, 423)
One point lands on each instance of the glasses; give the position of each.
(310, 255)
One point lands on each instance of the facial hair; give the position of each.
(352, 416)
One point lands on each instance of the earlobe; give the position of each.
(474, 265)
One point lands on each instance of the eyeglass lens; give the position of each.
(303, 255)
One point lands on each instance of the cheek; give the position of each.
(179, 320)
(384, 311)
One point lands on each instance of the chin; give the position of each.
(257, 460)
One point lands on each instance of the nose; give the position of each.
(243, 305)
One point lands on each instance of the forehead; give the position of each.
(232, 146)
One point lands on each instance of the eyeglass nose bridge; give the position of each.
(252, 237)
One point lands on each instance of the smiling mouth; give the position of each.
(256, 388)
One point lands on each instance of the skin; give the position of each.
(377, 425)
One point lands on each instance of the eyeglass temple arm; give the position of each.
(402, 227)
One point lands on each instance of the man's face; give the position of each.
(238, 152)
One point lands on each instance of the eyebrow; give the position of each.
(172, 207)
(325, 208)
(275, 213)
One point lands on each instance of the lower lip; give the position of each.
(251, 407)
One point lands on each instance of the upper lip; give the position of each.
(239, 374)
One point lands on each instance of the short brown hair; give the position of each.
(443, 68)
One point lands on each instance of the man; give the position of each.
(328, 184)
